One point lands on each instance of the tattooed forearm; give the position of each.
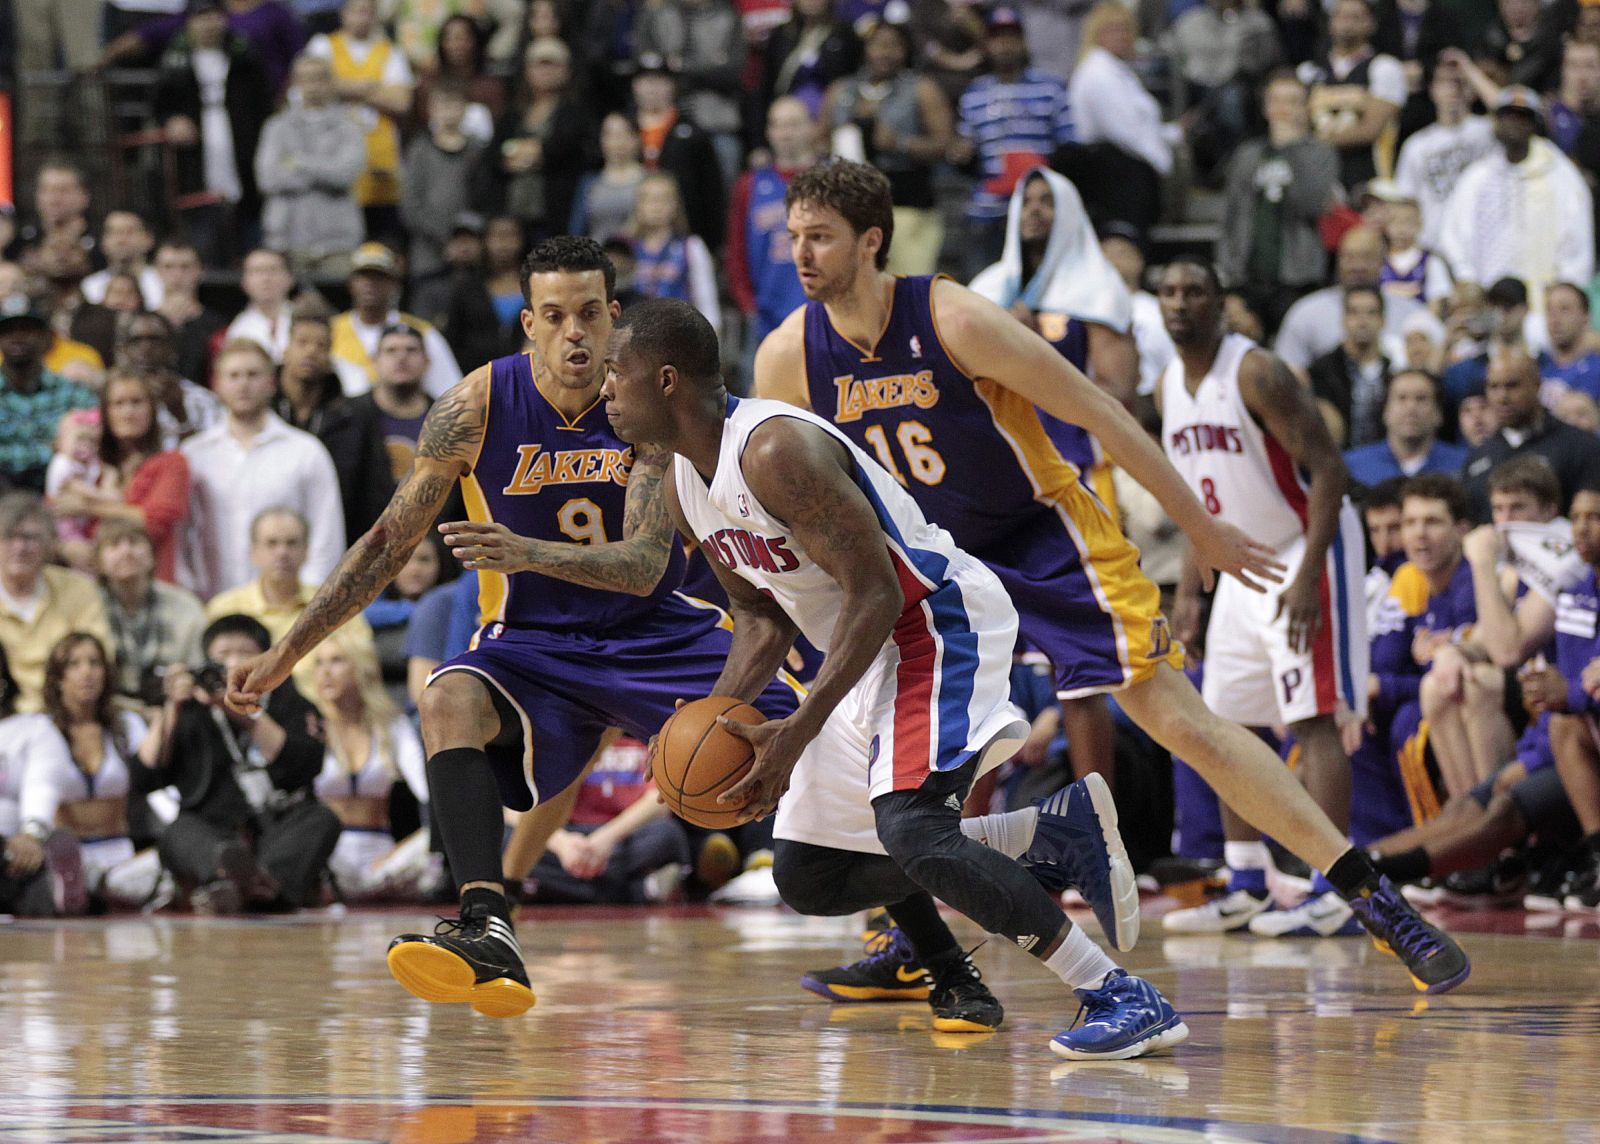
(634, 564)
(372, 561)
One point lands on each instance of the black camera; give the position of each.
(153, 686)
(212, 678)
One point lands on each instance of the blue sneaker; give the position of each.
(1077, 844)
(1125, 1016)
(1436, 963)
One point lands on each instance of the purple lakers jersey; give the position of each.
(973, 454)
(1070, 338)
(548, 478)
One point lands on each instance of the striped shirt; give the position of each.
(1031, 117)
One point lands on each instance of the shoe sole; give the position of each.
(1174, 1034)
(438, 976)
(1124, 885)
(962, 1025)
(849, 994)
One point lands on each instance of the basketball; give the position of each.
(696, 759)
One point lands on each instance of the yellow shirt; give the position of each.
(250, 600)
(68, 602)
(379, 185)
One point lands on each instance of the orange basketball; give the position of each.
(697, 759)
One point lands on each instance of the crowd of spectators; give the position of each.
(1398, 197)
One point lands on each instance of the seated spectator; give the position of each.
(1579, 410)
(1111, 105)
(621, 845)
(442, 626)
(60, 265)
(461, 62)
(81, 788)
(375, 285)
(153, 624)
(606, 199)
(1123, 250)
(670, 262)
(1413, 412)
(253, 440)
(1431, 161)
(32, 399)
(1524, 210)
(194, 325)
(1351, 379)
(1277, 189)
(267, 283)
(213, 96)
(1475, 421)
(60, 209)
(126, 243)
(1313, 326)
(75, 468)
(1525, 428)
(803, 56)
(1502, 322)
(1356, 94)
(703, 41)
(391, 613)
(26, 886)
(73, 360)
(311, 156)
(1423, 341)
(434, 179)
(39, 602)
(310, 398)
(674, 143)
(1463, 694)
(541, 146)
(279, 539)
(373, 78)
(757, 257)
(122, 294)
(1410, 270)
(370, 745)
(249, 830)
(890, 115)
(146, 348)
(1571, 362)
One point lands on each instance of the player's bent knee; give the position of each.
(457, 711)
(953, 878)
(806, 894)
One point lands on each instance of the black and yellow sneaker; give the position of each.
(889, 972)
(961, 1001)
(473, 960)
(876, 922)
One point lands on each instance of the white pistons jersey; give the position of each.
(736, 530)
(1236, 468)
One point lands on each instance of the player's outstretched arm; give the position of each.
(447, 448)
(802, 476)
(1286, 410)
(986, 342)
(634, 564)
(780, 367)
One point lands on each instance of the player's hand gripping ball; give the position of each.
(696, 760)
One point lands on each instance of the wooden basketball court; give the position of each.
(687, 1024)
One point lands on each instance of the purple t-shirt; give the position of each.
(272, 30)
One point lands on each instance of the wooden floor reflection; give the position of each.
(688, 1025)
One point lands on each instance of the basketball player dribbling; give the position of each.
(942, 385)
(582, 629)
(911, 704)
(1247, 437)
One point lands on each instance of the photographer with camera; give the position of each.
(153, 624)
(249, 832)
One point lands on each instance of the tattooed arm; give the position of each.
(634, 564)
(803, 477)
(447, 449)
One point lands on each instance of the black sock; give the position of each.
(918, 918)
(1406, 866)
(1352, 872)
(492, 902)
(1590, 845)
(464, 806)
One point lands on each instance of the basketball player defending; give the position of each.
(942, 385)
(1247, 437)
(575, 639)
(911, 703)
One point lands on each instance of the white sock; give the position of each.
(1011, 834)
(1079, 962)
(1245, 855)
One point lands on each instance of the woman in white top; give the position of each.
(75, 776)
(370, 744)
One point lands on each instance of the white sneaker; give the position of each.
(755, 887)
(1220, 915)
(664, 884)
(1326, 915)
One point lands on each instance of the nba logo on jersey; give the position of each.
(496, 630)
(916, 346)
(744, 505)
(1160, 637)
